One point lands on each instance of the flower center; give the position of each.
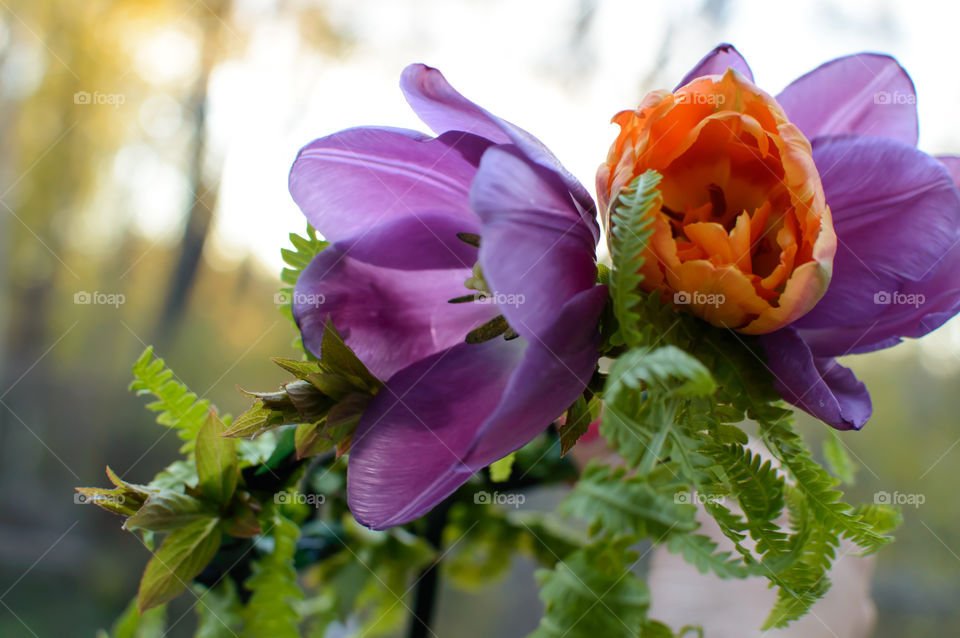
(496, 326)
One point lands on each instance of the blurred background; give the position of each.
(144, 149)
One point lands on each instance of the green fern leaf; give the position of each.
(632, 222)
(175, 405)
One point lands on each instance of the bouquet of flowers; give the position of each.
(462, 344)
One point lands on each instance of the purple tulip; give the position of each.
(896, 213)
(392, 203)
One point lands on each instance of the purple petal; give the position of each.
(415, 242)
(553, 374)
(723, 57)
(408, 448)
(446, 417)
(896, 212)
(905, 309)
(350, 181)
(819, 386)
(443, 109)
(536, 253)
(390, 318)
(863, 94)
(953, 165)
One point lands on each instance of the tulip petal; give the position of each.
(348, 182)
(952, 163)
(896, 213)
(423, 241)
(442, 419)
(819, 386)
(862, 94)
(390, 318)
(536, 252)
(407, 452)
(553, 374)
(723, 57)
(443, 108)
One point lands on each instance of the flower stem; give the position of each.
(425, 597)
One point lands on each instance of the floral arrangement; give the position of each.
(460, 338)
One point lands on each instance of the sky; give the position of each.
(525, 60)
(519, 60)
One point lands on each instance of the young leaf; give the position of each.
(132, 624)
(167, 510)
(500, 470)
(632, 225)
(218, 611)
(296, 260)
(176, 406)
(579, 417)
(593, 593)
(337, 357)
(183, 555)
(270, 612)
(609, 500)
(217, 465)
(839, 462)
(701, 552)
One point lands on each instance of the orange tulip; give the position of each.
(743, 237)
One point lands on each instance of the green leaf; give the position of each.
(176, 406)
(133, 624)
(500, 470)
(337, 357)
(183, 555)
(218, 468)
(632, 225)
(256, 420)
(579, 417)
(296, 260)
(593, 593)
(667, 370)
(839, 462)
(818, 487)
(218, 611)
(270, 612)
(701, 552)
(167, 510)
(609, 500)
